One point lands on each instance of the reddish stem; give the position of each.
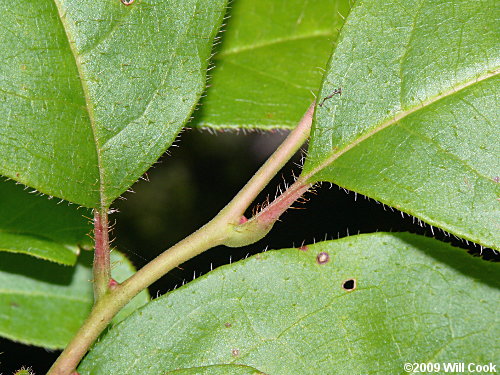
(270, 214)
(229, 227)
(102, 269)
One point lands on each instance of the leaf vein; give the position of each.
(395, 119)
(269, 43)
(88, 102)
(261, 73)
(442, 150)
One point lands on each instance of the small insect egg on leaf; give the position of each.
(235, 352)
(323, 257)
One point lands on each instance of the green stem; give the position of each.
(276, 161)
(117, 297)
(222, 229)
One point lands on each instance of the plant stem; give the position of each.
(270, 214)
(276, 161)
(114, 299)
(101, 267)
(258, 226)
(225, 228)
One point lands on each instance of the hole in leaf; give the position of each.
(349, 284)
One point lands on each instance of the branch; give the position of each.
(226, 228)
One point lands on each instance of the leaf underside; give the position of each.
(44, 304)
(216, 370)
(270, 63)
(92, 93)
(417, 124)
(286, 312)
(40, 227)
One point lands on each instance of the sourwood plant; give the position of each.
(398, 102)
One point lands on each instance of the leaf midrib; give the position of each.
(401, 115)
(88, 103)
(269, 76)
(166, 76)
(236, 50)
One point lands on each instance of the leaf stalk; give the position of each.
(101, 267)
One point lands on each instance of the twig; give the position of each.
(225, 228)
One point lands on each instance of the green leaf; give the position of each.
(417, 124)
(216, 370)
(271, 62)
(40, 227)
(415, 299)
(44, 304)
(24, 371)
(92, 93)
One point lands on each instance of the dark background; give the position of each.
(189, 186)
